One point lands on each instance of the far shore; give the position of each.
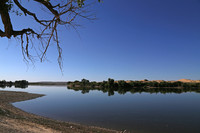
(15, 120)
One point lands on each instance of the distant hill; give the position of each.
(159, 81)
(189, 81)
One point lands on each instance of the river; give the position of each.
(138, 112)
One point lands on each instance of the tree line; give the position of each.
(110, 86)
(17, 84)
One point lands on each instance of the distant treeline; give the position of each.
(122, 86)
(17, 84)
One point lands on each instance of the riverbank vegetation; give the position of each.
(17, 84)
(122, 86)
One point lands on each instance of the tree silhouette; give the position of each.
(62, 12)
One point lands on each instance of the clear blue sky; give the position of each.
(131, 40)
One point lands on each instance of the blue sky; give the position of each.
(130, 40)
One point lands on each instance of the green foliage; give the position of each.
(84, 82)
(18, 84)
(21, 84)
(82, 2)
(122, 86)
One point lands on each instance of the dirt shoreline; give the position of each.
(14, 120)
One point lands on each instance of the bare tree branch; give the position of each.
(29, 13)
(63, 13)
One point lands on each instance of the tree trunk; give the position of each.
(5, 17)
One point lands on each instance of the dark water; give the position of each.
(138, 113)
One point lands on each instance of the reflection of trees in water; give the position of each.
(85, 90)
(112, 91)
(122, 87)
(18, 84)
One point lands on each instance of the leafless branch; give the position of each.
(64, 13)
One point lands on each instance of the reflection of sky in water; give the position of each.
(137, 112)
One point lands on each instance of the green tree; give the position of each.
(110, 83)
(85, 82)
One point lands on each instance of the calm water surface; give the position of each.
(138, 113)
